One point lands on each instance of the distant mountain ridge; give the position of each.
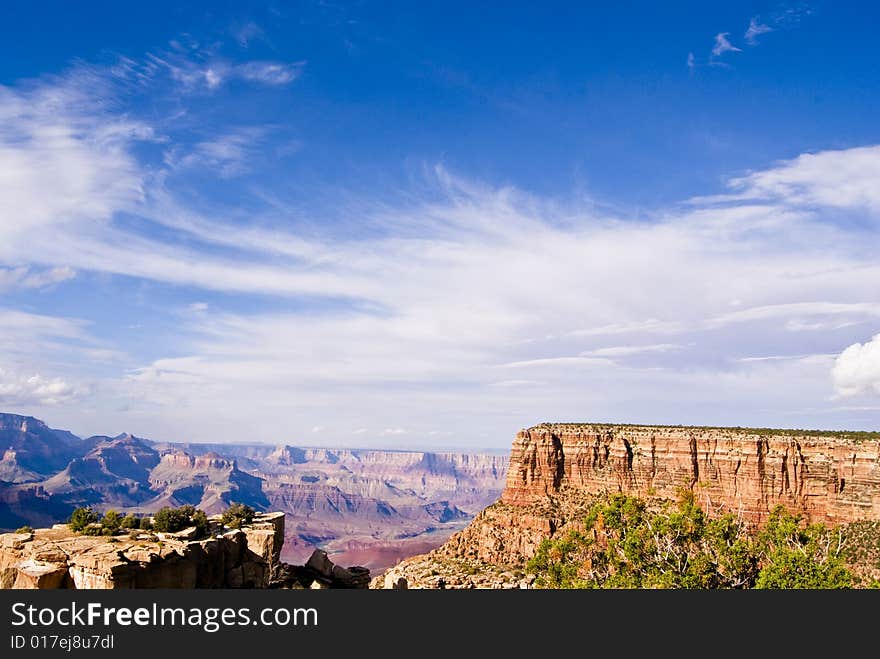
(335, 498)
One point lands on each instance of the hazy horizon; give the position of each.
(342, 227)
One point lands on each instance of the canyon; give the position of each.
(369, 507)
(556, 470)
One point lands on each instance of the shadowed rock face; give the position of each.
(30, 450)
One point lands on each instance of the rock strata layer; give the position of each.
(826, 477)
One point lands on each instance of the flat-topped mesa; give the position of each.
(827, 476)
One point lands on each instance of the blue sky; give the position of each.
(404, 225)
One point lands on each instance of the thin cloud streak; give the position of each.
(723, 45)
(755, 29)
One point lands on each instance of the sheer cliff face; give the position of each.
(556, 471)
(825, 477)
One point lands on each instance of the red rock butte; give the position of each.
(827, 476)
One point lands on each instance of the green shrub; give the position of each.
(24, 529)
(797, 556)
(130, 522)
(200, 520)
(81, 518)
(111, 522)
(146, 524)
(172, 520)
(238, 515)
(624, 544)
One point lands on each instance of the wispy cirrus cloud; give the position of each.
(247, 32)
(56, 136)
(228, 155)
(723, 45)
(30, 278)
(198, 67)
(214, 72)
(784, 18)
(629, 350)
(756, 28)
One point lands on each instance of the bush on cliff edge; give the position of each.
(625, 544)
(238, 515)
(172, 520)
(81, 518)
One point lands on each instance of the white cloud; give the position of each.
(29, 390)
(269, 73)
(691, 62)
(723, 45)
(795, 310)
(755, 29)
(650, 325)
(63, 162)
(226, 155)
(33, 345)
(559, 361)
(844, 178)
(775, 358)
(25, 277)
(503, 268)
(626, 351)
(15, 325)
(857, 369)
(432, 308)
(196, 69)
(247, 32)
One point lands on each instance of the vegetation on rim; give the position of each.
(856, 436)
(166, 520)
(237, 515)
(624, 543)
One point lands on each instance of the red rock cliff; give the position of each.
(827, 477)
(556, 470)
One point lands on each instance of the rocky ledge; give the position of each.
(227, 558)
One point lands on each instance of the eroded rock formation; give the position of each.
(556, 470)
(825, 476)
(58, 558)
